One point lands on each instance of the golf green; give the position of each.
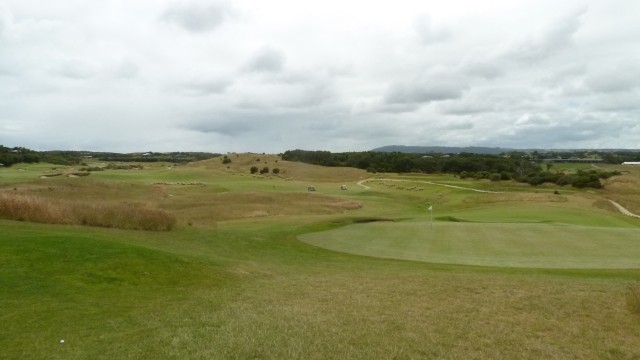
(532, 245)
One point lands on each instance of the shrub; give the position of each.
(276, 171)
(265, 170)
(254, 169)
(226, 160)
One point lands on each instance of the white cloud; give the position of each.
(271, 76)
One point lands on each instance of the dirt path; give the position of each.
(361, 183)
(623, 210)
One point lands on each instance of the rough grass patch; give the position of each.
(30, 208)
(633, 298)
(121, 216)
(125, 216)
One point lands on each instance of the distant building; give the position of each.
(631, 163)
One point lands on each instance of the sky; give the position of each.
(277, 75)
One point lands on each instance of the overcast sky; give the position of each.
(269, 76)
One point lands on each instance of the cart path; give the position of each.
(361, 183)
(623, 210)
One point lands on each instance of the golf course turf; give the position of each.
(257, 267)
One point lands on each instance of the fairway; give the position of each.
(531, 245)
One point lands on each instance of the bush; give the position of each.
(265, 170)
(226, 160)
(275, 171)
(254, 169)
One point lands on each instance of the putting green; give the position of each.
(533, 245)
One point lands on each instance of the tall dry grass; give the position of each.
(124, 216)
(121, 216)
(31, 208)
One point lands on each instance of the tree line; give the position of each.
(15, 155)
(516, 166)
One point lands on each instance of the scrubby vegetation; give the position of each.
(123, 216)
(10, 156)
(511, 166)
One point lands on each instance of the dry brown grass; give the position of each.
(134, 216)
(31, 208)
(633, 298)
(624, 190)
(241, 163)
(208, 208)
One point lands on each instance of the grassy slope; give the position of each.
(249, 289)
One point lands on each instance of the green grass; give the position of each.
(513, 245)
(234, 285)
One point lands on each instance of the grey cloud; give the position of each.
(428, 32)
(555, 38)
(434, 88)
(624, 77)
(398, 108)
(266, 60)
(4, 19)
(466, 107)
(617, 102)
(126, 70)
(196, 18)
(75, 69)
(206, 87)
(234, 122)
(457, 125)
(559, 130)
(489, 69)
(229, 127)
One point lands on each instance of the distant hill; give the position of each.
(443, 149)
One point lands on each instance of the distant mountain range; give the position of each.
(444, 149)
